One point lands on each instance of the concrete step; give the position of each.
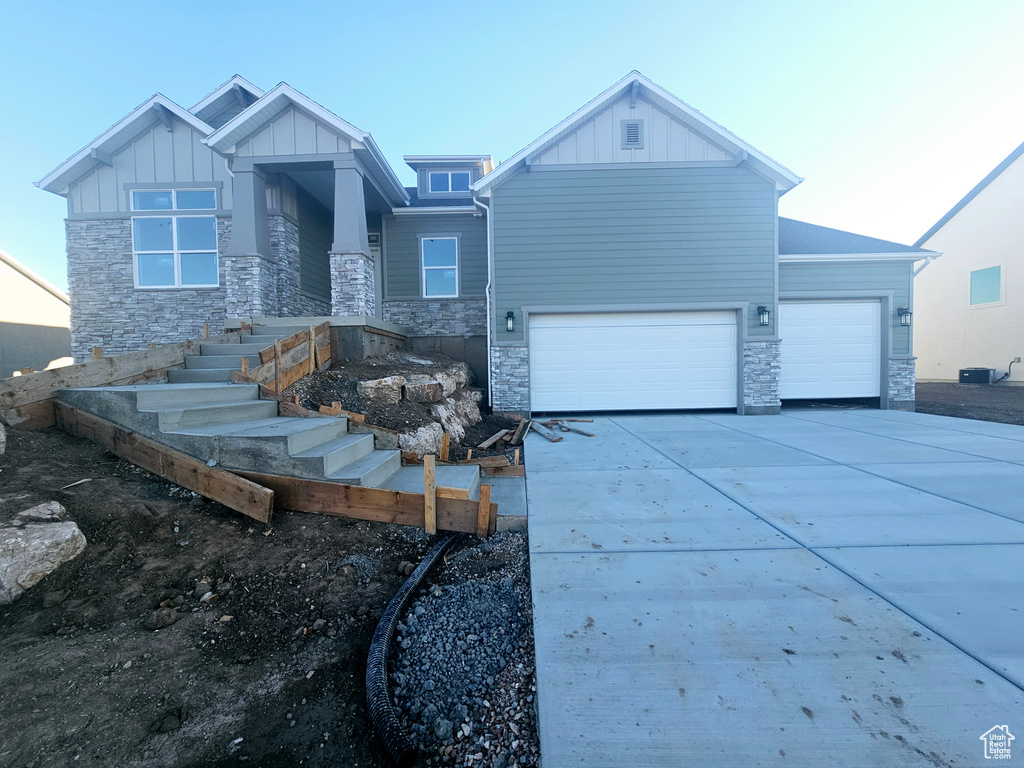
(335, 455)
(233, 362)
(410, 480)
(159, 397)
(278, 331)
(175, 419)
(215, 350)
(296, 434)
(260, 341)
(370, 471)
(197, 375)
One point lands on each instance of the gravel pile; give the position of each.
(462, 674)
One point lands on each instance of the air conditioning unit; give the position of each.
(977, 375)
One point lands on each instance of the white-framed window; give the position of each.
(439, 260)
(177, 250)
(448, 181)
(986, 286)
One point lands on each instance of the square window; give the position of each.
(440, 262)
(985, 285)
(153, 233)
(156, 270)
(195, 199)
(439, 182)
(199, 269)
(460, 182)
(152, 200)
(439, 282)
(196, 233)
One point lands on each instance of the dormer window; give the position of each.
(448, 181)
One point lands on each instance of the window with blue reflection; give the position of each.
(199, 269)
(156, 270)
(153, 233)
(195, 199)
(440, 258)
(196, 233)
(152, 200)
(985, 288)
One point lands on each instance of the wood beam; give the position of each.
(164, 115)
(102, 157)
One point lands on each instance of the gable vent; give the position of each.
(632, 134)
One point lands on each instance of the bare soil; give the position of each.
(972, 401)
(269, 673)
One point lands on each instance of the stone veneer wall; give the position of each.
(439, 317)
(352, 285)
(510, 379)
(761, 367)
(284, 245)
(902, 382)
(108, 311)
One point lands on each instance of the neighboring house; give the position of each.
(632, 257)
(34, 320)
(970, 303)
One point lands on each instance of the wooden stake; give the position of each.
(493, 439)
(520, 433)
(483, 515)
(515, 463)
(245, 365)
(26, 371)
(312, 351)
(429, 499)
(206, 330)
(152, 346)
(277, 365)
(469, 454)
(446, 441)
(97, 353)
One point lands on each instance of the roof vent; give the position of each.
(632, 134)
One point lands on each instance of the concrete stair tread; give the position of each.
(410, 479)
(232, 348)
(155, 387)
(233, 362)
(206, 406)
(357, 471)
(271, 427)
(325, 449)
(181, 376)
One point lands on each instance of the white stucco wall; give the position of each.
(950, 334)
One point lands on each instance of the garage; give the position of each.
(632, 361)
(830, 349)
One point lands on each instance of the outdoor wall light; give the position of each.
(764, 315)
(510, 321)
(905, 315)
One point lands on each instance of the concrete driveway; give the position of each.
(841, 587)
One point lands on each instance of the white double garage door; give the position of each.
(666, 360)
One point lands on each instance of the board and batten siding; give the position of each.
(156, 156)
(633, 235)
(402, 252)
(293, 132)
(599, 140)
(316, 233)
(832, 278)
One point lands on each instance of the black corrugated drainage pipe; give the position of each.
(400, 749)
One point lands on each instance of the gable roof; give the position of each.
(1010, 159)
(139, 120)
(784, 178)
(46, 285)
(800, 239)
(274, 102)
(209, 103)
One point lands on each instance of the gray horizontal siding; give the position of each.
(316, 230)
(855, 276)
(157, 156)
(402, 254)
(633, 235)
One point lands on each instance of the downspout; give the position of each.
(487, 290)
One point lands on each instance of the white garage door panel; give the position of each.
(623, 361)
(830, 349)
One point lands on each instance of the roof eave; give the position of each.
(894, 256)
(224, 88)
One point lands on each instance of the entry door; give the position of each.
(830, 349)
(633, 361)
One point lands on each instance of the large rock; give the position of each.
(386, 391)
(426, 439)
(457, 412)
(33, 545)
(420, 388)
(454, 377)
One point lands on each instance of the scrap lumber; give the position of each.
(97, 353)
(335, 409)
(488, 461)
(493, 439)
(446, 442)
(429, 496)
(544, 432)
(517, 470)
(234, 492)
(483, 515)
(567, 428)
(375, 504)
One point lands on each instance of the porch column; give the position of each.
(249, 274)
(352, 280)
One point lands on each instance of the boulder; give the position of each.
(454, 377)
(33, 545)
(386, 391)
(457, 412)
(420, 388)
(426, 439)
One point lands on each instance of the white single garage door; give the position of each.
(632, 361)
(830, 349)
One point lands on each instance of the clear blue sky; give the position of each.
(891, 110)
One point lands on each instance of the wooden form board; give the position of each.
(227, 488)
(27, 402)
(287, 361)
(377, 504)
